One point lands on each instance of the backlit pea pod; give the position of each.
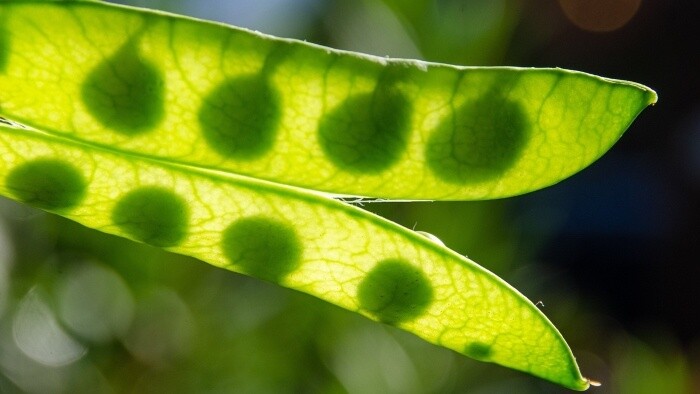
(136, 107)
(224, 98)
(300, 240)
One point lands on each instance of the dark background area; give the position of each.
(631, 237)
(612, 252)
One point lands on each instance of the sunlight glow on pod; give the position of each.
(213, 141)
(300, 240)
(299, 114)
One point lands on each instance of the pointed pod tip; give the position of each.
(651, 96)
(581, 383)
(591, 382)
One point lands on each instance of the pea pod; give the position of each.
(335, 251)
(299, 114)
(213, 142)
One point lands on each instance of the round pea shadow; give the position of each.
(480, 141)
(51, 184)
(4, 49)
(395, 291)
(240, 117)
(478, 350)
(153, 215)
(262, 247)
(368, 132)
(125, 92)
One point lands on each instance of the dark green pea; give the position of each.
(47, 183)
(395, 291)
(153, 215)
(125, 92)
(262, 247)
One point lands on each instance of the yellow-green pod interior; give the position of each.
(286, 111)
(310, 243)
(200, 138)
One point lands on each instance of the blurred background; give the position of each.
(612, 253)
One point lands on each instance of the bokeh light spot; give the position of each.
(162, 330)
(95, 302)
(599, 15)
(37, 333)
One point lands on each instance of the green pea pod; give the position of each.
(211, 141)
(337, 252)
(299, 114)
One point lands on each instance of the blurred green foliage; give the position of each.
(81, 311)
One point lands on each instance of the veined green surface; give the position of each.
(300, 114)
(166, 130)
(314, 244)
